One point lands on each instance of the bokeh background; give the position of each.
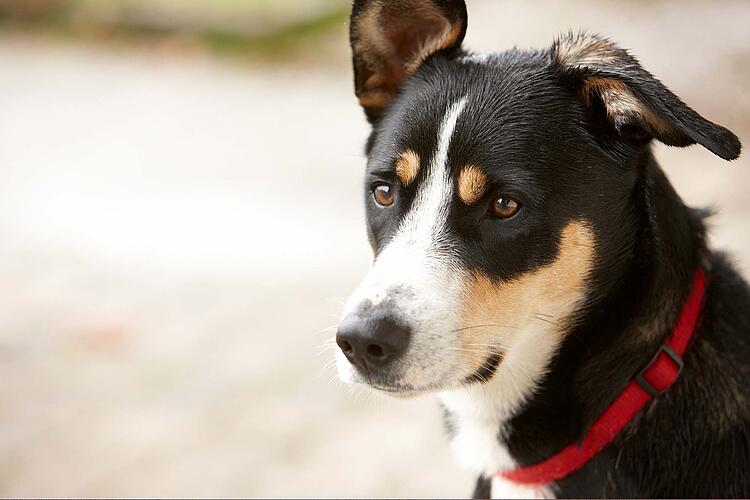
(180, 218)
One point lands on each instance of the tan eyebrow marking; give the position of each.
(471, 184)
(407, 166)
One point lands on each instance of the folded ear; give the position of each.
(391, 38)
(618, 93)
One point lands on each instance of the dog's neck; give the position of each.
(534, 407)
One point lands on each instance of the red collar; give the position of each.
(657, 377)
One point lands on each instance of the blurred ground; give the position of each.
(177, 231)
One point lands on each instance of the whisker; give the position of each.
(484, 352)
(559, 325)
(331, 340)
(329, 364)
(495, 344)
(546, 320)
(481, 326)
(481, 352)
(329, 329)
(495, 347)
(324, 369)
(326, 349)
(334, 379)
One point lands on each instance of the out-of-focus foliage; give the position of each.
(262, 28)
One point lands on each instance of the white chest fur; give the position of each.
(480, 412)
(478, 444)
(478, 432)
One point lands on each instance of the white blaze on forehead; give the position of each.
(425, 221)
(412, 258)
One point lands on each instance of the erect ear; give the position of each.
(618, 93)
(391, 38)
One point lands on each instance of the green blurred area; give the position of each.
(268, 29)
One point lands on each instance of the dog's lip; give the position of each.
(401, 392)
(408, 390)
(404, 390)
(395, 390)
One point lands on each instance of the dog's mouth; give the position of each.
(403, 390)
(398, 387)
(487, 369)
(482, 375)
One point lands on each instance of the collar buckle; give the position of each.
(652, 365)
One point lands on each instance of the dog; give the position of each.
(535, 269)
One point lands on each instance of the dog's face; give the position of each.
(498, 189)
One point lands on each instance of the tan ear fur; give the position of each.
(619, 101)
(635, 104)
(392, 38)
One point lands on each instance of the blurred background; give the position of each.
(180, 219)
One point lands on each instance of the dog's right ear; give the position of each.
(620, 96)
(391, 38)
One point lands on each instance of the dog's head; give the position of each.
(496, 187)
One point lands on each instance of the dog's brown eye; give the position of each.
(383, 194)
(504, 207)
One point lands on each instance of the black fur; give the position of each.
(548, 141)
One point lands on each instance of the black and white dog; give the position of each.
(535, 269)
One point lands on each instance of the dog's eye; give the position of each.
(383, 194)
(504, 207)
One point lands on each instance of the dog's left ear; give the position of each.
(391, 38)
(618, 93)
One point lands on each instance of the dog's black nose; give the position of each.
(372, 343)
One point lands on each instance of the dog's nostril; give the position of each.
(375, 351)
(345, 346)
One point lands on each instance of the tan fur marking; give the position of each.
(430, 46)
(471, 184)
(374, 99)
(407, 166)
(586, 50)
(494, 313)
(386, 63)
(619, 100)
